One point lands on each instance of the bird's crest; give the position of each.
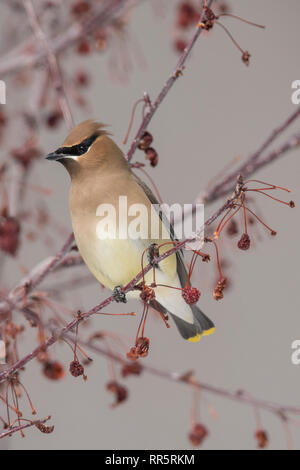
(84, 130)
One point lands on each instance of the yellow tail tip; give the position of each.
(208, 332)
(195, 339)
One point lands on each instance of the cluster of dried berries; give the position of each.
(147, 294)
(150, 153)
(120, 392)
(76, 369)
(249, 216)
(44, 429)
(188, 15)
(99, 37)
(191, 294)
(97, 42)
(244, 242)
(197, 434)
(218, 290)
(140, 349)
(222, 280)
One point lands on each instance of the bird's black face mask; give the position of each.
(74, 151)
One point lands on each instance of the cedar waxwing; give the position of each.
(100, 175)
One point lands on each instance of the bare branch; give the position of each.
(177, 72)
(253, 162)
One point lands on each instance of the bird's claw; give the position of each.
(118, 295)
(153, 252)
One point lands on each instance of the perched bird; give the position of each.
(100, 175)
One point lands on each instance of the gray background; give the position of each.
(218, 110)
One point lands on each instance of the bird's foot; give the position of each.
(153, 253)
(118, 295)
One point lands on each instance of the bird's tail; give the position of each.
(201, 325)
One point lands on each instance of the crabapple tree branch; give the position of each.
(53, 64)
(36, 276)
(129, 287)
(43, 49)
(103, 14)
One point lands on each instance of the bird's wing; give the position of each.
(181, 266)
(201, 324)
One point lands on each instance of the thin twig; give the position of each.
(102, 15)
(189, 379)
(35, 277)
(177, 72)
(253, 162)
(53, 64)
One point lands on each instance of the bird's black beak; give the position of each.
(54, 156)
